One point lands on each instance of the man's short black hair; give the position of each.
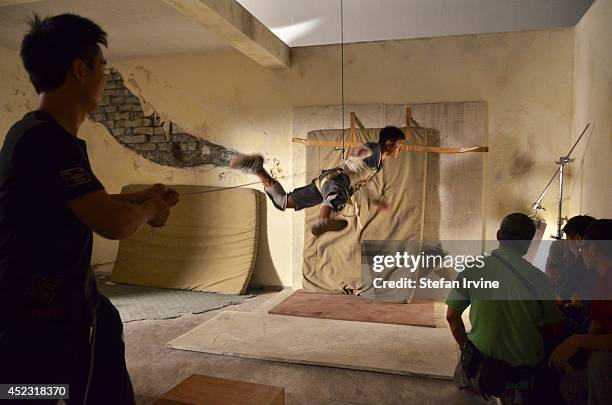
(577, 226)
(516, 231)
(517, 226)
(53, 43)
(392, 134)
(600, 232)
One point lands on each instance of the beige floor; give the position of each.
(155, 369)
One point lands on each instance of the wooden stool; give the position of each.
(200, 389)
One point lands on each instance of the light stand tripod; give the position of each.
(562, 162)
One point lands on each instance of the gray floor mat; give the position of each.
(137, 302)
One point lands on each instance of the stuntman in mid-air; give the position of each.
(333, 188)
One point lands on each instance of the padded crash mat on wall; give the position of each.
(332, 262)
(353, 308)
(208, 244)
(431, 196)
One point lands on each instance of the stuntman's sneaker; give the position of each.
(328, 225)
(249, 164)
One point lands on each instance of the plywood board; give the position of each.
(204, 390)
(353, 308)
(394, 349)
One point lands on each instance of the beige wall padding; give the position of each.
(432, 196)
(208, 244)
(332, 262)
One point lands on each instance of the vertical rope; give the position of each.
(424, 191)
(483, 200)
(342, 71)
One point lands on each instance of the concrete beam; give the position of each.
(4, 3)
(233, 23)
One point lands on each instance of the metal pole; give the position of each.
(560, 216)
(537, 206)
(578, 140)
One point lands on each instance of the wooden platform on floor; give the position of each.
(199, 389)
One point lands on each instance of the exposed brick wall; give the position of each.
(121, 113)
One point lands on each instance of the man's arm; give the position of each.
(375, 198)
(592, 341)
(169, 195)
(381, 204)
(596, 339)
(457, 327)
(137, 197)
(363, 152)
(457, 301)
(113, 219)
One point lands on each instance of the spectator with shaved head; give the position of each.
(505, 346)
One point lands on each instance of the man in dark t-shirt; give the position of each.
(54, 326)
(593, 384)
(574, 284)
(45, 250)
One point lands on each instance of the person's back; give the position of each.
(509, 323)
(505, 321)
(54, 326)
(45, 249)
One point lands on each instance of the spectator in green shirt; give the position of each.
(509, 323)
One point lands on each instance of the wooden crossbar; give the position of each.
(352, 142)
(405, 148)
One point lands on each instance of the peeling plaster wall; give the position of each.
(163, 142)
(526, 78)
(591, 192)
(17, 96)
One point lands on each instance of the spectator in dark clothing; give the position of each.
(54, 326)
(575, 284)
(563, 258)
(592, 385)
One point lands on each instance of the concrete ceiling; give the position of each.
(135, 28)
(317, 22)
(140, 28)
